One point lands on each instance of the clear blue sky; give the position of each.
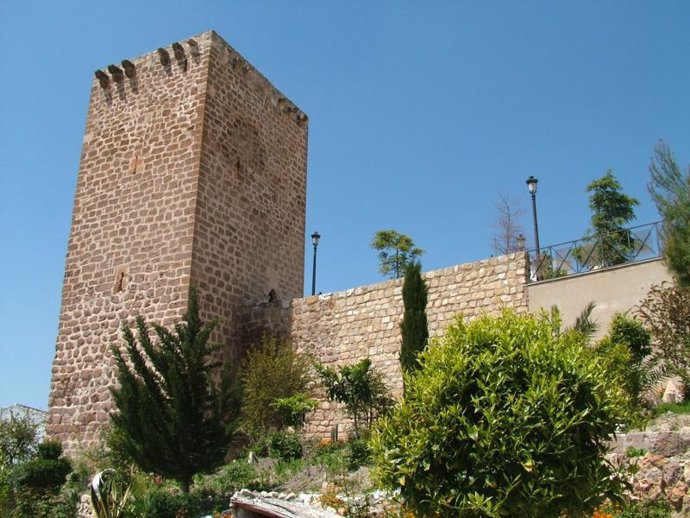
(420, 114)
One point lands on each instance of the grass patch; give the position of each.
(674, 408)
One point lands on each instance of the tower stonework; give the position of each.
(193, 172)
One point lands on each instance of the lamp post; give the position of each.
(315, 241)
(532, 186)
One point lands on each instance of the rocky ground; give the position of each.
(657, 460)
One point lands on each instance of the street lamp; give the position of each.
(532, 186)
(315, 241)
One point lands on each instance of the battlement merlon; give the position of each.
(178, 57)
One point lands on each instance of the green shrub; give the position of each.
(332, 456)
(292, 409)
(626, 330)
(506, 417)
(39, 473)
(235, 476)
(160, 503)
(50, 450)
(43, 485)
(48, 503)
(47, 469)
(361, 389)
(285, 446)
(624, 355)
(271, 372)
(358, 454)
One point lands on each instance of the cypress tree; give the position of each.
(414, 329)
(173, 416)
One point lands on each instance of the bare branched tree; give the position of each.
(509, 213)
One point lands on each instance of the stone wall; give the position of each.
(193, 171)
(344, 327)
(251, 198)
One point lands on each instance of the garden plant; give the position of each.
(506, 417)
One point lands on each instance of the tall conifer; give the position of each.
(173, 417)
(414, 329)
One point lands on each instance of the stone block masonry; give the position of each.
(193, 172)
(344, 327)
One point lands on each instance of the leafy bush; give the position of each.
(506, 417)
(161, 503)
(292, 409)
(629, 331)
(332, 456)
(43, 485)
(272, 372)
(238, 475)
(624, 351)
(619, 364)
(48, 469)
(40, 473)
(358, 454)
(48, 503)
(50, 450)
(360, 388)
(285, 446)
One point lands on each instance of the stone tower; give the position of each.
(193, 172)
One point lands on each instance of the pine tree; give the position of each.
(173, 416)
(611, 209)
(414, 329)
(670, 190)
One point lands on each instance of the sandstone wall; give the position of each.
(249, 230)
(193, 171)
(344, 327)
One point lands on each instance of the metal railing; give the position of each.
(589, 254)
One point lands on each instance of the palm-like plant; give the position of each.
(108, 494)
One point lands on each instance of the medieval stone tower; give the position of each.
(193, 172)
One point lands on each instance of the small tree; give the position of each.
(18, 439)
(506, 417)
(360, 388)
(396, 252)
(413, 328)
(665, 312)
(670, 190)
(611, 210)
(507, 225)
(275, 379)
(173, 416)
